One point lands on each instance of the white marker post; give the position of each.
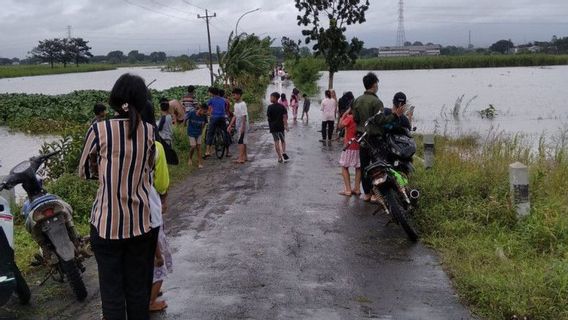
(428, 151)
(519, 181)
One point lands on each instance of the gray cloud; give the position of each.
(172, 25)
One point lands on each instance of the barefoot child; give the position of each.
(278, 122)
(196, 119)
(306, 107)
(240, 122)
(158, 206)
(350, 157)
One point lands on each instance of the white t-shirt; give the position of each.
(328, 107)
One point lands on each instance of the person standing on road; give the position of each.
(229, 117)
(283, 101)
(240, 122)
(218, 119)
(188, 101)
(196, 120)
(350, 156)
(364, 107)
(277, 116)
(306, 107)
(329, 112)
(121, 236)
(165, 124)
(294, 103)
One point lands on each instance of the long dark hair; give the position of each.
(128, 98)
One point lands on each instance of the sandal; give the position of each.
(356, 193)
(343, 193)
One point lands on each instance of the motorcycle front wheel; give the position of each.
(75, 280)
(401, 215)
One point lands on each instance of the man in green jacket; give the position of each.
(364, 107)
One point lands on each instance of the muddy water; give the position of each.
(531, 100)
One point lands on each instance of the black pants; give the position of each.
(365, 158)
(126, 269)
(326, 129)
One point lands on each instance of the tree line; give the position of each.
(66, 50)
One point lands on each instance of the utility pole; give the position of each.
(206, 17)
(68, 32)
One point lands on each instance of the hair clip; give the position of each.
(125, 107)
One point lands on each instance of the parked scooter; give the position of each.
(49, 220)
(11, 279)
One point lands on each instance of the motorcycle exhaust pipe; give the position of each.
(414, 194)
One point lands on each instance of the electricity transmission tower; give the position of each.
(400, 37)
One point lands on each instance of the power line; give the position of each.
(191, 4)
(173, 8)
(154, 11)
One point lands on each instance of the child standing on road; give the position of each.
(306, 107)
(196, 120)
(350, 157)
(165, 123)
(278, 122)
(294, 102)
(240, 122)
(283, 101)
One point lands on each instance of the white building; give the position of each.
(409, 51)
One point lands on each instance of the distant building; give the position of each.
(527, 49)
(410, 51)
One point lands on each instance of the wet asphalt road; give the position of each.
(275, 241)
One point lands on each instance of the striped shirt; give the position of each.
(121, 209)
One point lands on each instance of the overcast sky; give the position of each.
(172, 25)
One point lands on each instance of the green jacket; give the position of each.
(365, 107)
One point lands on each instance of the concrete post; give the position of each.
(519, 181)
(9, 195)
(428, 151)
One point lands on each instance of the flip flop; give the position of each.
(343, 193)
(356, 193)
(366, 199)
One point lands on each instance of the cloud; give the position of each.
(173, 26)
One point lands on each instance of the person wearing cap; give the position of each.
(398, 110)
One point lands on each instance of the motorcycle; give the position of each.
(388, 171)
(49, 221)
(11, 279)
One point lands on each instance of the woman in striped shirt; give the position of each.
(120, 153)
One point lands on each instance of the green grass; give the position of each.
(42, 69)
(500, 266)
(465, 61)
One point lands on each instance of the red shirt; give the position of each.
(350, 131)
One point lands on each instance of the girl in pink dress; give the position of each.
(294, 102)
(283, 101)
(350, 157)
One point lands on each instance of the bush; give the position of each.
(79, 193)
(305, 73)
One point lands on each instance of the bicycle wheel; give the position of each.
(219, 142)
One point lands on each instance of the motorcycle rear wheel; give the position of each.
(401, 215)
(75, 280)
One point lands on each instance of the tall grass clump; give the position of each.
(465, 61)
(501, 266)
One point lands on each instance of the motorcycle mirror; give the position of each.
(413, 128)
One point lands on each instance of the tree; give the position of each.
(48, 50)
(291, 48)
(116, 56)
(79, 50)
(331, 42)
(502, 46)
(134, 56)
(156, 57)
(417, 43)
(407, 43)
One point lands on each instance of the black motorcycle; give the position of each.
(388, 171)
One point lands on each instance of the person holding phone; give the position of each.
(400, 110)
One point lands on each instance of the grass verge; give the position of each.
(500, 266)
(42, 69)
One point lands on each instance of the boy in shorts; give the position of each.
(278, 122)
(196, 120)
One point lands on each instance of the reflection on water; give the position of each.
(530, 100)
(17, 147)
(103, 80)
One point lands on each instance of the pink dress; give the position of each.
(294, 104)
(284, 103)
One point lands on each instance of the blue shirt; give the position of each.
(195, 123)
(218, 106)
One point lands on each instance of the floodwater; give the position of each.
(104, 80)
(528, 100)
